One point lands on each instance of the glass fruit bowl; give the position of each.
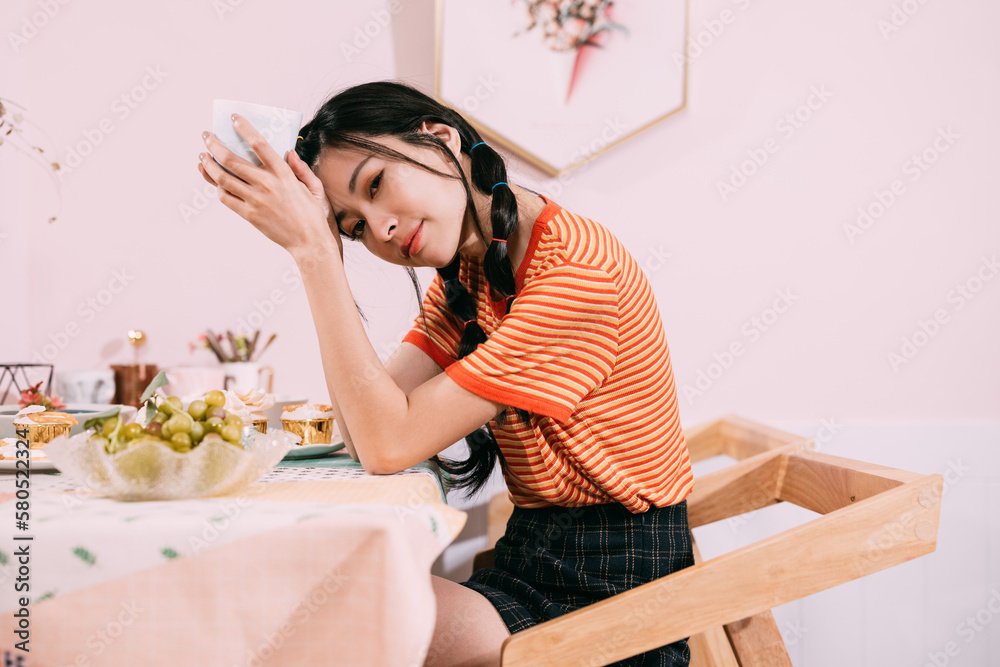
(150, 470)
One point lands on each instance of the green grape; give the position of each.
(231, 433)
(180, 442)
(179, 423)
(109, 426)
(132, 431)
(175, 403)
(154, 428)
(215, 398)
(216, 411)
(160, 417)
(197, 431)
(99, 440)
(213, 424)
(235, 420)
(197, 409)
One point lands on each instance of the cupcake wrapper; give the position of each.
(312, 431)
(39, 434)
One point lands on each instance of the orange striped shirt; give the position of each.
(583, 351)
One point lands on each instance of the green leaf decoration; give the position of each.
(46, 596)
(158, 381)
(169, 553)
(84, 555)
(99, 418)
(4, 559)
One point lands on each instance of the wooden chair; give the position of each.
(870, 518)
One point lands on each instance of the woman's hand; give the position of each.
(284, 200)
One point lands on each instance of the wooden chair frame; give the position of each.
(872, 517)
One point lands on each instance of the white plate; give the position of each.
(311, 451)
(82, 412)
(8, 447)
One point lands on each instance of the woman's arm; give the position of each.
(409, 367)
(390, 429)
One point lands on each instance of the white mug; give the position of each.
(86, 386)
(247, 375)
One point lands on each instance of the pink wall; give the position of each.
(726, 261)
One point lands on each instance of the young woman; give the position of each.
(539, 340)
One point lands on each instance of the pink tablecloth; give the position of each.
(298, 578)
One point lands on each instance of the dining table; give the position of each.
(315, 563)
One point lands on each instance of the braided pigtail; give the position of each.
(489, 174)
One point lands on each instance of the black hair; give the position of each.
(351, 119)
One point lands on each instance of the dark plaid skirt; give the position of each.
(553, 560)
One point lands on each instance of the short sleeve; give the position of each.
(557, 344)
(435, 332)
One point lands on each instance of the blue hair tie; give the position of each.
(481, 143)
(450, 280)
(500, 183)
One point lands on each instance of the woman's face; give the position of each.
(400, 212)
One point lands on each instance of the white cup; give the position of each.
(280, 127)
(86, 386)
(246, 375)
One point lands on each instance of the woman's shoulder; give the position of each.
(571, 238)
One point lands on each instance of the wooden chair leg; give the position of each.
(710, 648)
(757, 642)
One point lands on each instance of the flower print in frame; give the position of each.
(560, 81)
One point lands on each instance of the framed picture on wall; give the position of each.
(561, 81)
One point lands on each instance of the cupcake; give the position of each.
(37, 426)
(312, 422)
(250, 406)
